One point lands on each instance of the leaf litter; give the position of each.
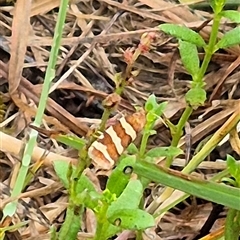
(96, 34)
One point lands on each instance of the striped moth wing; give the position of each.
(105, 151)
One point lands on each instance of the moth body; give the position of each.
(106, 150)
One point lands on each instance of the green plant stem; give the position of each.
(53, 233)
(213, 142)
(210, 48)
(102, 231)
(177, 135)
(205, 151)
(139, 235)
(143, 144)
(102, 225)
(198, 80)
(83, 157)
(232, 226)
(72, 222)
(201, 155)
(84, 160)
(10, 208)
(105, 117)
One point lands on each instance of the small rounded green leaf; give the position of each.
(71, 225)
(196, 97)
(129, 199)
(164, 152)
(151, 103)
(232, 15)
(61, 169)
(119, 178)
(229, 181)
(132, 149)
(9, 209)
(183, 33)
(234, 168)
(189, 56)
(161, 107)
(111, 230)
(231, 38)
(151, 117)
(89, 199)
(132, 219)
(84, 183)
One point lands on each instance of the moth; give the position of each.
(105, 151)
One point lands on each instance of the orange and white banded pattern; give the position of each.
(105, 151)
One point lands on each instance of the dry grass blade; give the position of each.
(96, 34)
(20, 28)
(43, 6)
(17, 146)
(229, 70)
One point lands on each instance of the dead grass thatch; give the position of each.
(96, 34)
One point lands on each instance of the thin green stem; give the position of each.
(105, 117)
(10, 208)
(143, 144)
(210, 48)
(212, 143)
(84, 160)
(72, 222)
(139, 235)
(197, 81)
(232, 226)
(184, 118)
(102, 224)
(83, 157)
(179, 128)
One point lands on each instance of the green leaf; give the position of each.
(111, 230)
(151, 132)
(71, 225)
(196, 97)
(160, 108)
(215, 192)
(234, 168)
(164, 152)
(183, 33)
(84, 183)
(132, 149)
(71, 141)
(229, 181)
(151, 103)
(90, 200)
(9, 209)
(151, 117)
(229, 39)
(189, 56)
(233, 15)
(61, 169)
(232, 224)
(132, 219)
(217, 5)
(129, 199)
(121, 175)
